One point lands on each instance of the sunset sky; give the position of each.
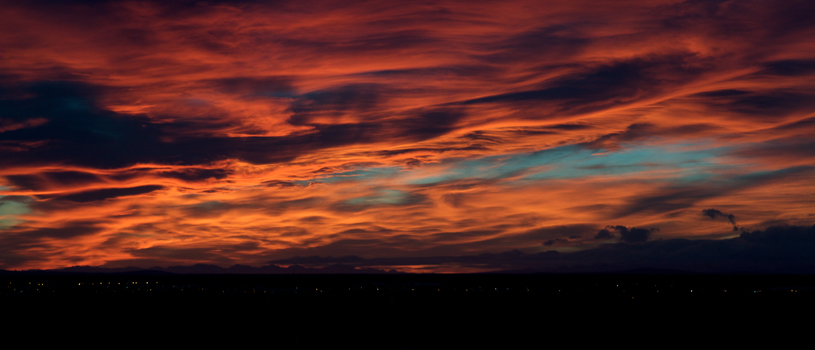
(405, 134)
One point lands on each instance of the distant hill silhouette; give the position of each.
(774, 250)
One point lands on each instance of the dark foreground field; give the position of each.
(399, 311)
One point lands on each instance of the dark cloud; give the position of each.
(532, 131)
(107, 193)
(65, 232)
(255, 86)
(27, 182)
(771, 103)
(387, 153)
(570, 127)
(313, 219)
(802, 148)
(760, 104)
(559, 231)
(482, 137)
(452, 236)
(464, 71)
(787, 19)
(22, 244)
(668, 200)
(551, 42)
(363, 43)
(634, 132)
(802, 124)
(190, 174)
(763, 22)
(604, 234)
(77, 132)
(627, 235)
(790, 67)
(555, 241)
(195, 175)
(343, 134)
(71, 177)
(715, 213)
(278, 183)
(642, 131)
(726, 93)
(413, 126)
(608, 85)
(430, 123)
(366, 102)
(671, 199)
(635, 235)
(336, 102)
(48, 179)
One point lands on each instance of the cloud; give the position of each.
(762, 104)
(628, 235)
(634, 132)
(18, 242)
(194, 175)
(388, 131)
(255, 86)
(555, 241)
(49, 179)
(715, 213)
(604, 234)
(325, 105)
(65, 232)
(791, 67)
(107, 193)
(607, 85)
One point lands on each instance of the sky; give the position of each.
(414, 135)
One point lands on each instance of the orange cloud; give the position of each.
(243, 133)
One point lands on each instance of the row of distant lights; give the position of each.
(317, 289)
(118, 283)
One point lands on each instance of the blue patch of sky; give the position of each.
(354, 175)
(685, 163)
(8, 211)
(575, 162)
(76, 104)
(391, 197)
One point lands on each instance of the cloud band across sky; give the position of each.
(141, 133)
